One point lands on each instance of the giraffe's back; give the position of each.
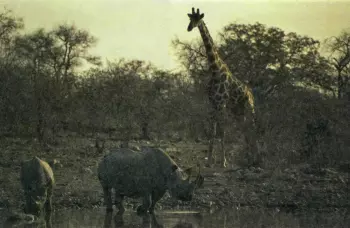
(241, 101)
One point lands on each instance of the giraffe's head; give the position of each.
(195, 19)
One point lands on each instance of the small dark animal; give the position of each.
(148, 174)
(37, 180)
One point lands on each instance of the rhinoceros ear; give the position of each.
(188, 171)
(174, 168)
(53, 163)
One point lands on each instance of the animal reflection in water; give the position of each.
(148, 221)
(28, 221)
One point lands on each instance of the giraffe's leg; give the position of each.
(223, 153)
(254, 139)
(221, 134)
(156, 195)
(108, 198)
(212, 134)
(255, 148)
(248, 130)
(118, 202)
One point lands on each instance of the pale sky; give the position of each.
(143, 29)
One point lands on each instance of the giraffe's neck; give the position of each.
(212, 53)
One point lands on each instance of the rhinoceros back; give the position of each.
(36, 171)
(119, 165)
(131, 173)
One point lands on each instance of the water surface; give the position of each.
(227, 218)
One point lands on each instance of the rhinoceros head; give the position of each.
(35, 189)
(35, 199)
(179, 183)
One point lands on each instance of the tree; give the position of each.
(9, 28)
(70, 50)
(137, 95)
(192, 56)
(267, 57)
(52, 58)
(13, 84)
(339, 47)
(263, 57)
(34, 49)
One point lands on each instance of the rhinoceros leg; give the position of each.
(108, 198)
(27, 203)
(48, 220)
(48, 203)
(118, 202)
(147, 202)
(156, 196)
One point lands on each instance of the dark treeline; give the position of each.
(302, 96)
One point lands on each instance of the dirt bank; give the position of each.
(300, 186)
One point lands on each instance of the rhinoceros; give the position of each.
(37, 180)
(148, 173)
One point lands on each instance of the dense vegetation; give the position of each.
(302, 96)
(51, 108)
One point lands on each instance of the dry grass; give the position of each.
(77, 186)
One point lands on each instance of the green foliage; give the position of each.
(45, 61)
(9, 26)
(43, 93)
(285, 71)
(315, 134)
(133, 98)
(339, 48)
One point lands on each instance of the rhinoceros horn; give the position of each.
(188, 171)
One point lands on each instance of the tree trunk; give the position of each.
(38, 102)
(340, 84)
(39, 115)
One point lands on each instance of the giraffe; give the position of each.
(225, 93)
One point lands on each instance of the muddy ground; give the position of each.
(296, 187)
